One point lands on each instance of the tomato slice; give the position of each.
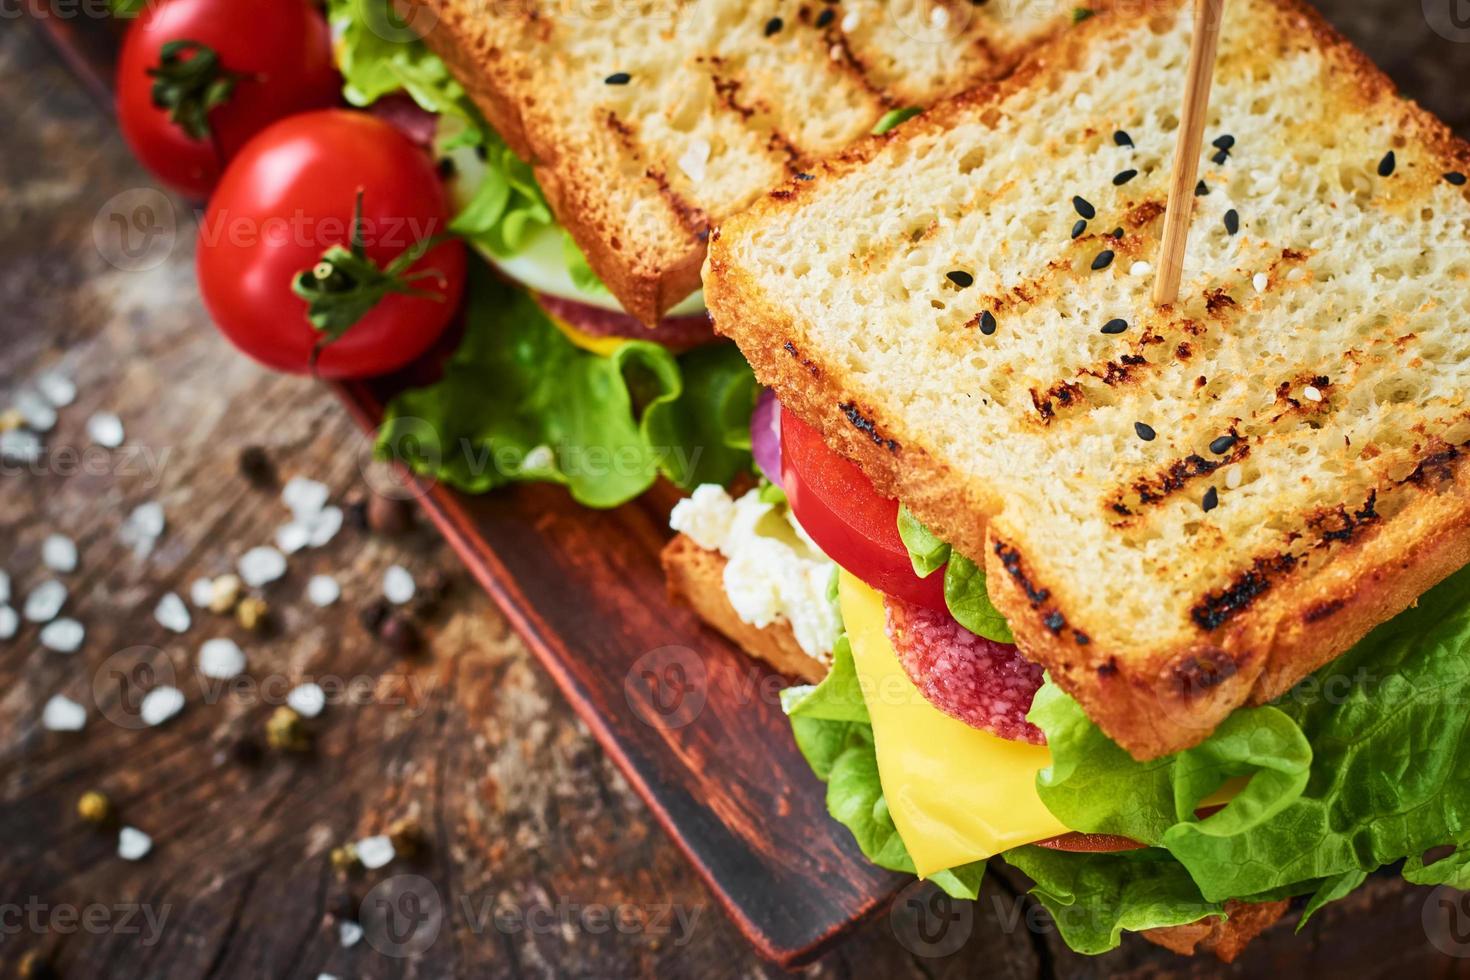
(1090, 843)
(846, 516)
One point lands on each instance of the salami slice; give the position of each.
(678, 332)
(986, 685)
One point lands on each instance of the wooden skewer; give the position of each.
(1202, 51)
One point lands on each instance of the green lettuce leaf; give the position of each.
(1362, 765)
(1094, 898)
(895, 117)
(507, 207)
(520, 402)
(969, 601)
(927, 551)
(703, 432)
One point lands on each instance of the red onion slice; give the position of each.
(765, 436)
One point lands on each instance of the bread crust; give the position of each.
(696, 577)
(1225, 938)
(1164, 698)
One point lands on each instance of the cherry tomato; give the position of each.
(285, 201)
(1090, 843)
(231, 68)
(852, 523)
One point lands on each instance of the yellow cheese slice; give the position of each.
(956, 794)
(601, 346)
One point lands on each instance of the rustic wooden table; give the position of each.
(533, 856)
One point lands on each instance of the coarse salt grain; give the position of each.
(20, 446)
(143, 527)
(172, 614)
(38, 413)
(161, 704)
(106, 430)
(694, 159)
(201, 592)
(133, 844)
(851, 21)
(44, 602)
(349, 933)
(59, 553)
(4, 586)
(323, 590)
(57, 389)
(375, 852)
(62, 714)
(939, 17)
(324, 526)
(63, 635)
(9, 622)
(304, 497)
(1312, 394)
(261, 566)
(307, 700)
(221, 659)
(291, 538)
(398, 585)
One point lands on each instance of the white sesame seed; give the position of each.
(374, 852)
(695, 159)
(44, 602)
(172, 614)
(1233, 477)
(1312, 394)
(59, 553)
(850, 22)
(133, 844)
(398, 585)
(261, 566)
(106, 430)
(304, 497)
(1260, 281)
(161, 704)
(9, 622)
(835, 52)
(201, 592)
(221, 659)
(307, 700)
(1141, 268)
(63, 635)
(57, 389)
(62, 714)
(323, 590)
(939, 17)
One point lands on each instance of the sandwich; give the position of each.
(1165, 606)
(591, 147)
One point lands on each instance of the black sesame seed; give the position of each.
(1084, 208)
(805, 176)
(1103, 260)
(1122, 139)
(1211, 501)
(1115, 326)
(1220, 157)
(826, 17)
(1117, 232)
(960, 278)
(1124, 177)
(1079, 227)
(774, 25)
(1232, 221)
(1145, 431)
(1387, 164)
(1456, 178)
(1223, 445)
(987, 323)
(1226, 142)
(1201, 189)
(1055, 621)
(618, 78)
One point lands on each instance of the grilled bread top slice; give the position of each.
(1183, 509)
(647, 120)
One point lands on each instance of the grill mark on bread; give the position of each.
(1052, 618)
(695, 221)
(1219, 607)
(867, 426)
(812, 367)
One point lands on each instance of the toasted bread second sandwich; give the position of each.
(1179, 510)
(647, 122)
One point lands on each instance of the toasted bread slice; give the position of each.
(719, 101)
(1198, 511)
(1226, 938)
(696, 577)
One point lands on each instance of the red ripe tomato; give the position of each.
(228, 69)
(286, 203)
(852, 523)
(1090, 843)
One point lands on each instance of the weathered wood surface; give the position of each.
(523, 815)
